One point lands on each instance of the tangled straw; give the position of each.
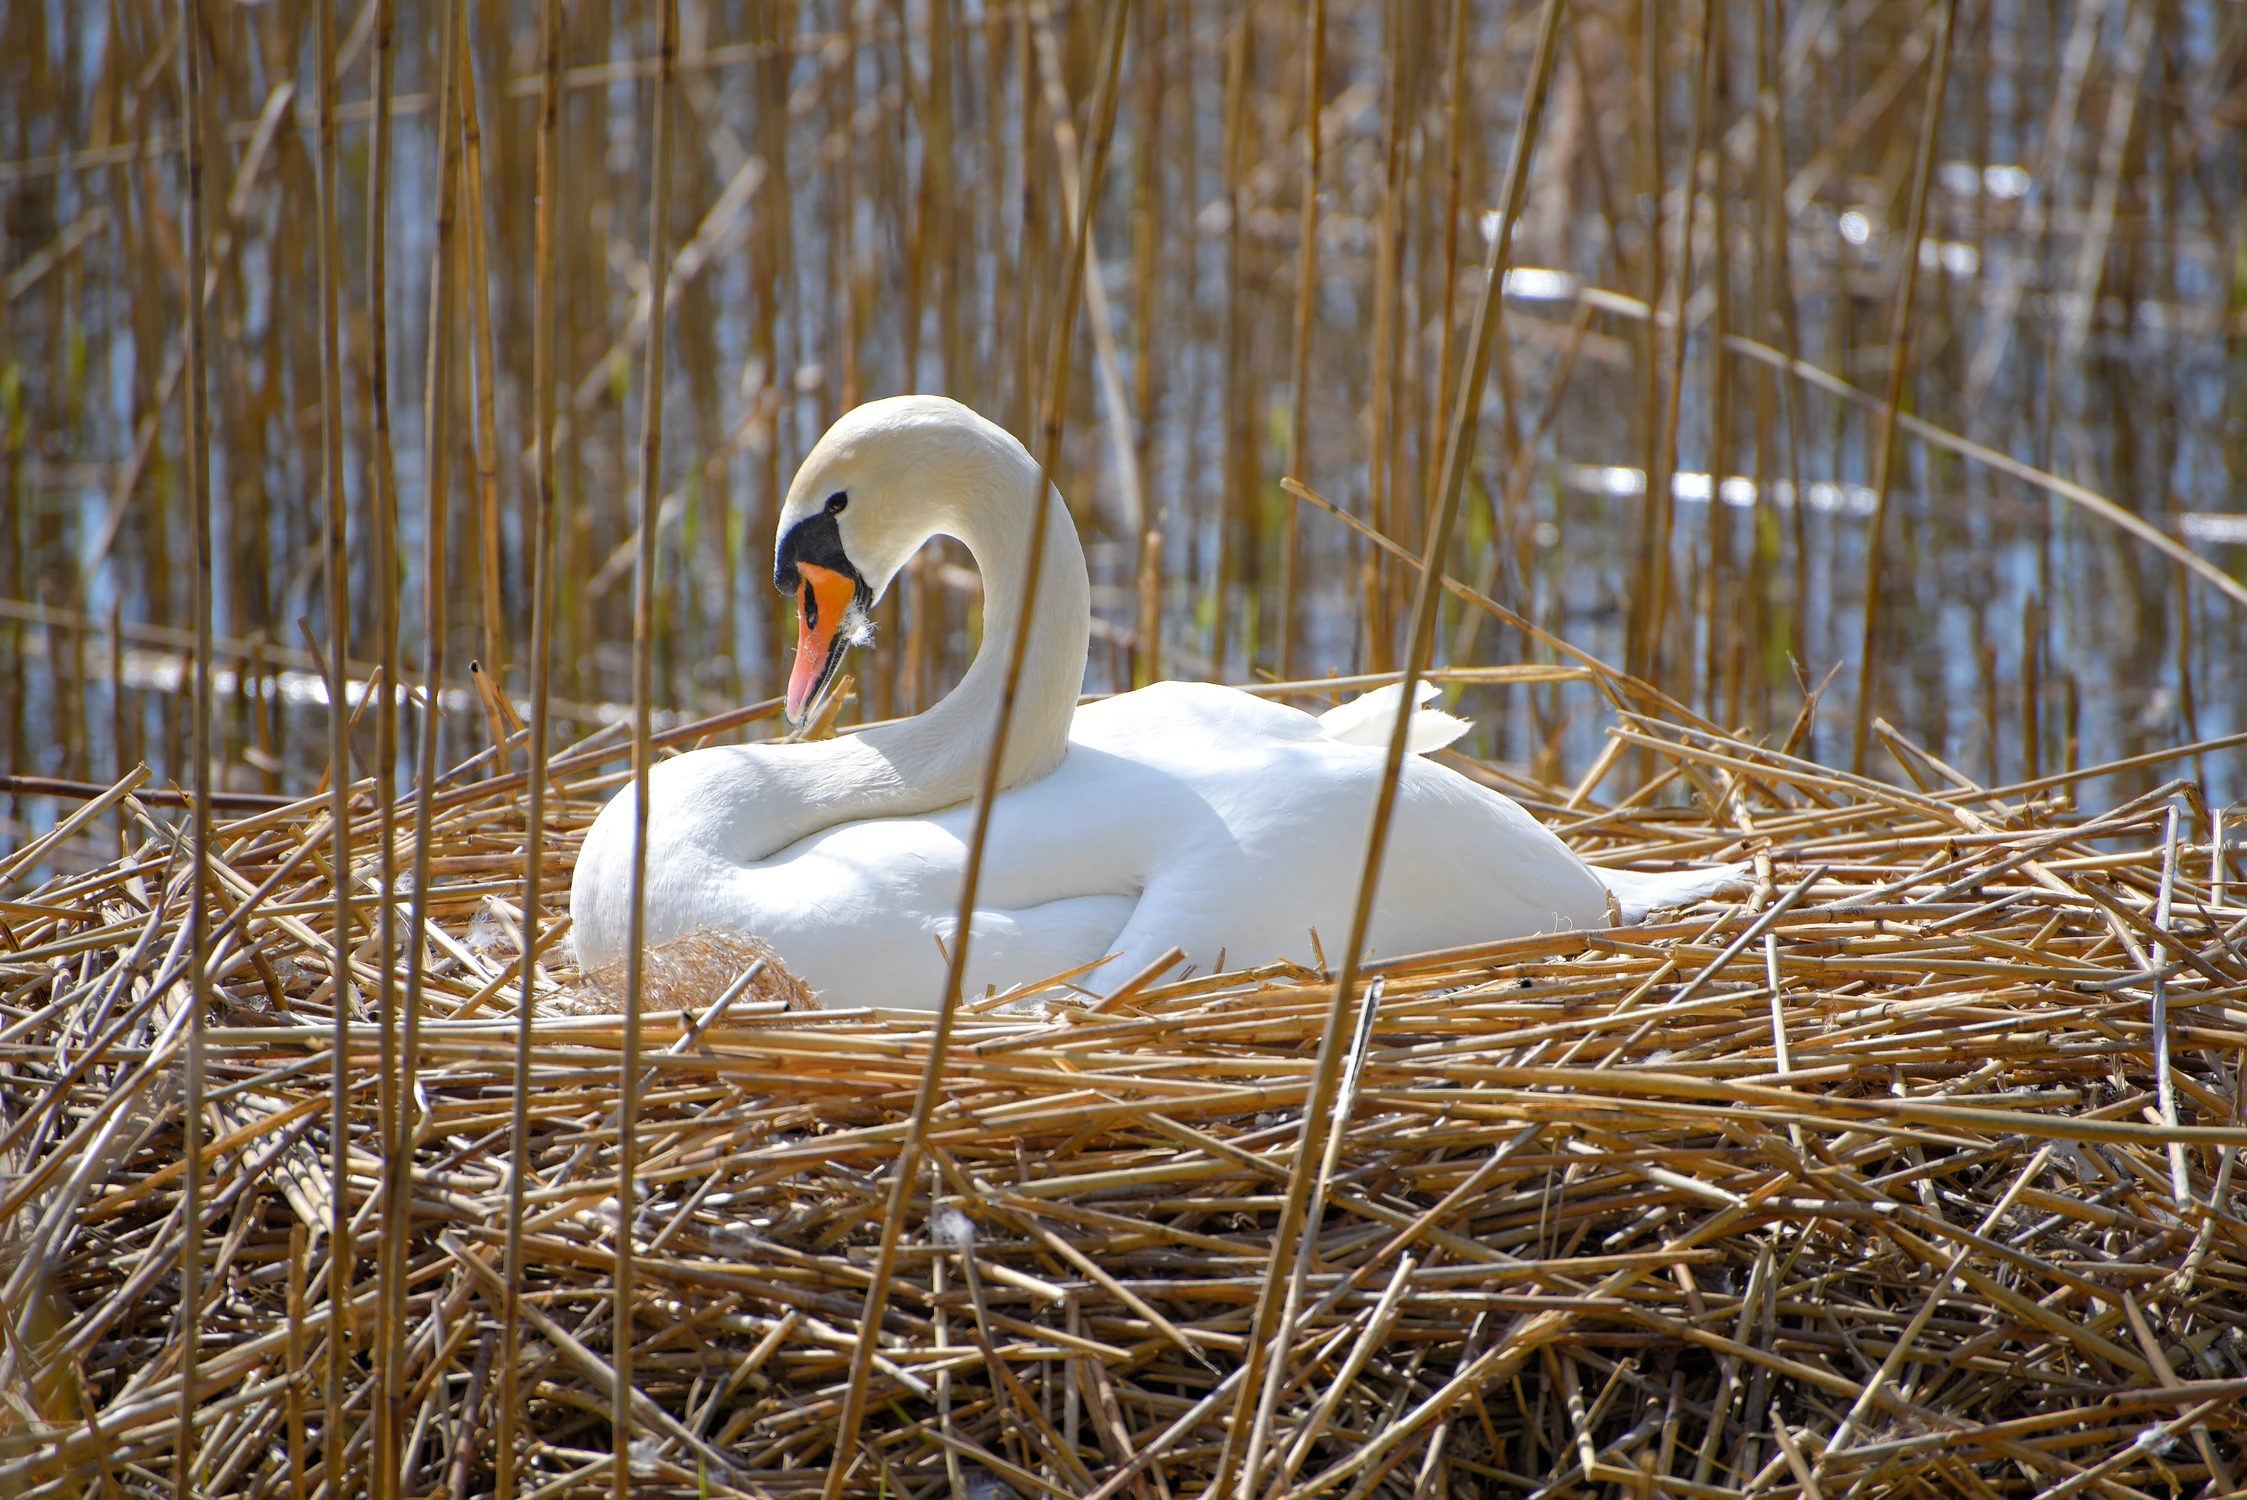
(1861, 1183)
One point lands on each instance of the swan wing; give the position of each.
(1638, 892)
(1368, 718)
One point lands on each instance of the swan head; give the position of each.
(884, 479)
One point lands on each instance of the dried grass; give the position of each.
(688, 973)
(1864, 1184)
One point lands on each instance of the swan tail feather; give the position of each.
(1368, 718)
(1638, 892)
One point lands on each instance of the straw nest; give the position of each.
(1913, 1172)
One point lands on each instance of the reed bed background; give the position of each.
(1912, 1170)
(871, 198)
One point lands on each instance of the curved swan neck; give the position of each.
(978, 489)
(940, 753)
(936, 470)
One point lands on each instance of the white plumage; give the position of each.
(1180, 814)
(1368, 718)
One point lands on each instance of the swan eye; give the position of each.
(836, 502)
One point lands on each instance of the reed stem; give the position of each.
(200, 875)
(543, 351)
(391, 1448)
(623, 1418)
(336, 514)
(1899, 361)
(1306, 315)
(384, 488)
(1459, 441)
(845, 1455)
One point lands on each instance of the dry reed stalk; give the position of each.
(1306, 304)
(374, 1425)
(1662, 417)
(1458, 454)
(1518, 481)
(1661, 478)
(1457, 120)
(1120, 420)
(1092, 173)
(1146, 247)
(1776, 291)
(484, 371)
(1654, 517)
(339, 778)
(201, 582)
(845, 250)
(1899, 349)
(1236, 489)
(622, 1418)
(535, 772)
(1381, 604)
(1725, 669)
(391, 1398)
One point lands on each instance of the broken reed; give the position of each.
(1861, 1181)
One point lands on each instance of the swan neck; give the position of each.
(940, 753)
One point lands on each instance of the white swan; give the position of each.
(1180, 814)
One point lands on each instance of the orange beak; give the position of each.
(823, 598)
